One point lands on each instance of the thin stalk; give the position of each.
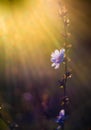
(66, 64)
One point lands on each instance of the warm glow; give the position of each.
(29, 33)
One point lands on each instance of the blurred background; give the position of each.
(30, 30)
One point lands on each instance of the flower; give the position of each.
(57, 58)
(61, 116)
(62, 113)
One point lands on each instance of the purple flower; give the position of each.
(61, 115)
(57, 57)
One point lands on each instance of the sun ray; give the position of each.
(31, 32)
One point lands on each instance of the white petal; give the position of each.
(56, 52)
(53, 54)
(53, 64)
(57, 66)
(53, 59)
(62, 112)
(62, 50)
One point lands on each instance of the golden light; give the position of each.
(28, 34)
